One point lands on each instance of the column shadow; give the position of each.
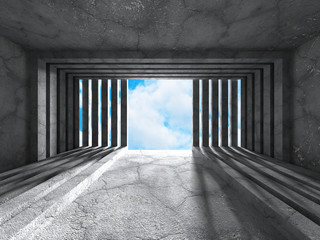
(246, 216)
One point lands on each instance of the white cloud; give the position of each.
(160, 115)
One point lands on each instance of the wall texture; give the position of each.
(149, 25)
(306, 105)
(14, 124)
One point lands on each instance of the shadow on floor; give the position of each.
(250, 224)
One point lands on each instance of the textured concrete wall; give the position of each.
(306, 105)
(14, 128)
(192, 53)
(159, 25)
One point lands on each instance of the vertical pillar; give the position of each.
(95, 98)
(114, 112)
(195, 113)
(258, 109)
(52, 111)
(70, 106)
(76, 113)
(234, 112)
(244, 112)
(267, 112)
(278, 118)
(224, 112)
(250, 117)
(205, 112)
(124, 86)
(104, 112)
(214, 113)
(42, 110)
(61, 126)
(85, 112)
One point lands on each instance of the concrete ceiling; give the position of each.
(159, 24)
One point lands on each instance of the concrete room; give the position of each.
(253, 170)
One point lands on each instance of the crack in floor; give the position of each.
(155, 200)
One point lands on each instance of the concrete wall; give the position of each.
(14, 124)
(305, 105)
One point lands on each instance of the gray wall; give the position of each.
(14, 124)
(305, 105)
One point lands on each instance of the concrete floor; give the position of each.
(159, 195)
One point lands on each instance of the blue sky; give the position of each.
(160, 114)
(133, 83)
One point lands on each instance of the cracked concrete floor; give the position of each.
(159, 195)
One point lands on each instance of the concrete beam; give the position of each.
(214, 112)
(172, 76)
(61, 113)
(51, 111)
(244, 112)
(278, 112)
(267, 112)
(258, 112)
(76, 113)
(114, 112)
(224, 112)
(250, 113)
(95, 118)
(70, 106)
(42, 110)
(205, 112)
(234, 112)
(85, 112)
(124, 87)
(195, 113)
(104, 112)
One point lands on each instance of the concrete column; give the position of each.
(124, 87)
(76, 113)
(70, 90)
(195, 113)
(244, 112)
(62, 118)
(214, 113)
(267, 111)
(114, 112)
(234, 112)
(104, 112)
(279, 117)
(205, 112)
(250, 113)
(95, 104)
(42, 110)
(258, 112)
(224, 112)
(85, 112)
(51, 111)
